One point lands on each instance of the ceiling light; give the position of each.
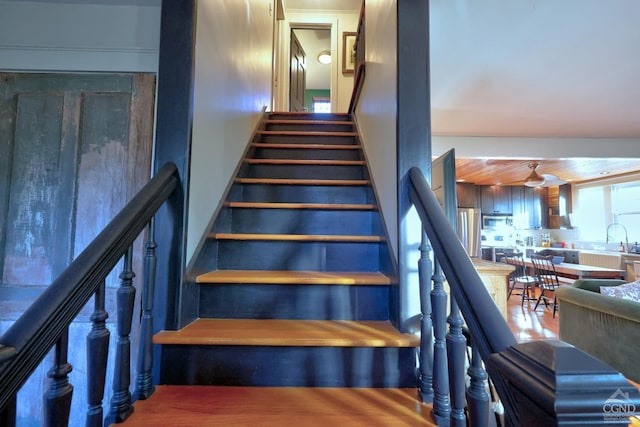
(533, 180)
(324, 57)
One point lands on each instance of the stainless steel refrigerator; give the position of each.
(469, 231)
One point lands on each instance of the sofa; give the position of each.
(604, 326)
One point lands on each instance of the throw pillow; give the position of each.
(628, 291)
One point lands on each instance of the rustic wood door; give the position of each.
(298, 79)
(74, 148)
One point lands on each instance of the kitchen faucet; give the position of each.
(616, 226)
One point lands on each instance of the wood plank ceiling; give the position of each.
(514, 172)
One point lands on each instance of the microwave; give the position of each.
(496, 222)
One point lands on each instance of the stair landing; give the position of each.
(280, 406)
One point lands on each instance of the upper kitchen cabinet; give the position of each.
(559, 206)
(496, 199)
(467, 195)
(529, 207)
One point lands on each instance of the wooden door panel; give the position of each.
(74, 149)
(33, 189)
(298, 75)
(104, 148)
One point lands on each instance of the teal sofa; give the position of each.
(603, 326)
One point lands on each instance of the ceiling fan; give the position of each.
(541, 180)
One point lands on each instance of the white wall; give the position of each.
(341, 84)
(232, 85)
(377, 108)
(67, 36)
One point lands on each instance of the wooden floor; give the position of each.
(309, 407)
(528, 324)
(280, 407)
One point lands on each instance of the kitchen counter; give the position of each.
(626, 259)
(494, 276)
(491, 267)
(590, 251)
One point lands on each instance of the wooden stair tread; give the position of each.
(307, 146)
(291, 181)
(305, 133)
(200, 406)
(327, 206)
(298, 237)
(307, 113)
(308, 122)
(305, 162)
(288, 333)
(294, 277)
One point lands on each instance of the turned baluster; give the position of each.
(477, 396)
(97, 354)
(8, 414)
(144, 383)
(441, 404)
(425, 380)
(58, 397)
(456, 352)
(121, 407)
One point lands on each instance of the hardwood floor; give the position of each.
(528, 324)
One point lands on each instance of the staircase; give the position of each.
(297, 296)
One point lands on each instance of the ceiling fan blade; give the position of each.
(551, 180)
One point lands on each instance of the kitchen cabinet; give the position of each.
(559, 206)
(467, 195)
(495, 199)
(529, 207)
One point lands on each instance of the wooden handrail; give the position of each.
(358, 80)
(32, 335)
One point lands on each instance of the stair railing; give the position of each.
(360, 51)
(45, 324)
(537, 383)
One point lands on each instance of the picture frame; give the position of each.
(348, 52)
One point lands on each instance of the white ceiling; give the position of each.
(323, 4)
(541, 68)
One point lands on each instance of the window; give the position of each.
(321, 104)
(600, 205)
(592, 226)
(625, 203)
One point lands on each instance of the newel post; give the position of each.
(554, 383)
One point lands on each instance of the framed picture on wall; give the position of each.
(348, 52)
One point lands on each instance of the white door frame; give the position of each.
(281, 78)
